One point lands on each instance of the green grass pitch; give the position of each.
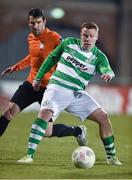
(53, 157)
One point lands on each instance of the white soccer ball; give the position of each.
(83, 157)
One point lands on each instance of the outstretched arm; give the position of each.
(24, 63)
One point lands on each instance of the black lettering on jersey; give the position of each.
(76, 63)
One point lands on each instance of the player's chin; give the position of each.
(36, 33)
(87, 46)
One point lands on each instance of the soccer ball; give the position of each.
(83, 157)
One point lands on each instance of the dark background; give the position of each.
(114, 18)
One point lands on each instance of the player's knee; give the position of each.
(10, 111)
(45, 114)
(104, 115)
(103, 118)
(7, 113)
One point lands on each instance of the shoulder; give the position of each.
(99, 53)
(53, 34)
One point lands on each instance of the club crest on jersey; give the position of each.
(77, 64)
(41, 45)
(92, 58)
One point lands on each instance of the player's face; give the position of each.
(37, 25)
(88, 38)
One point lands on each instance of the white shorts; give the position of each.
(57, 99)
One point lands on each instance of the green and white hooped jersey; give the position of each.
(76, 66)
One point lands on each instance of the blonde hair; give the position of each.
(90, 25)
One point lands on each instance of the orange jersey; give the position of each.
(39, 49)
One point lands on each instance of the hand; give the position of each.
(36, 85)
(106, 77)
(7, 70)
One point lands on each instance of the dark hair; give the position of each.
(90, 25)
(36, 13)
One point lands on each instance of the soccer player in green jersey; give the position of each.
(78, 61)
(41, 41)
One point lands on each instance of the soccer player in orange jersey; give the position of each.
(41, 42)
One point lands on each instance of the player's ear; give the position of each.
(97, 37)
(45, 21)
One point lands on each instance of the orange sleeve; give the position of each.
(24, 63)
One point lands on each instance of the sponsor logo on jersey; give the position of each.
(76, 63)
